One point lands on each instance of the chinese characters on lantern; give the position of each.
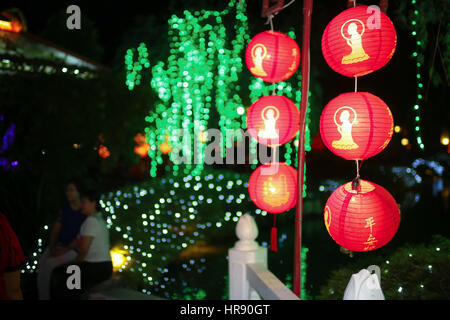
(361, 220)
(371, 239)
(275, 192)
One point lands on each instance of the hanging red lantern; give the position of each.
(364, 219)
(164, 147)
(356, 125)
(272, 56)
(273, 120)
(142, 150)
(359, 41)
(273, 187)
(142, 146)
(103, 152)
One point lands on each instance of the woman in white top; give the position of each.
(93, 246)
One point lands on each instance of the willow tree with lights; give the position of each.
(199, 87)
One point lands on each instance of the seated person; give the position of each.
(11, 260)
(62, 239)
(93, 256)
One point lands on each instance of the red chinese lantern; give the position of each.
(364, 219)
(359, 41)
(142, 146)
(103, 152)
(142, 150)
(273, 120)
(14, 25)
(272, 56)
(356, 125)
(164, 147)
(273, 188)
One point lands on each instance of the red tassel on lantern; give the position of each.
(359, 41)
(272, 56)
(356, 125)
(364, 219)
(273, 120)
(273, 239)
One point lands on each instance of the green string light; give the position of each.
(419, 56)
(134, 68)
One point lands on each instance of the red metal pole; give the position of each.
(307, 11)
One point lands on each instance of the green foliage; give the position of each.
(226, 291)
(426, 19)
(412, 272)
(190, 294)
(198, 83)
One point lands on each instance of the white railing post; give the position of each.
(245, 251)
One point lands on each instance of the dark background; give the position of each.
(109, 29)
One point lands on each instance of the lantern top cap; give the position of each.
(274, 33)
(279, 96)
(364, 187)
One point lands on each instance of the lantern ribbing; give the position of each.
(364, 219)
(273, 120)
(360, 215)
(359, 41)
(356, 125)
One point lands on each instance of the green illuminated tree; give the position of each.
(202, 84)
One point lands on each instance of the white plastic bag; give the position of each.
(365, 285)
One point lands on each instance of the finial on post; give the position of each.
(247, 232)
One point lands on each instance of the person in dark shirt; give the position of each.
(62, 239)
(11, 260)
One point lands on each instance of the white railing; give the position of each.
(249, 278)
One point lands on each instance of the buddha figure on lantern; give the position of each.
(259, 52)
(270, 116)
(355, 42)
(345, 129)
